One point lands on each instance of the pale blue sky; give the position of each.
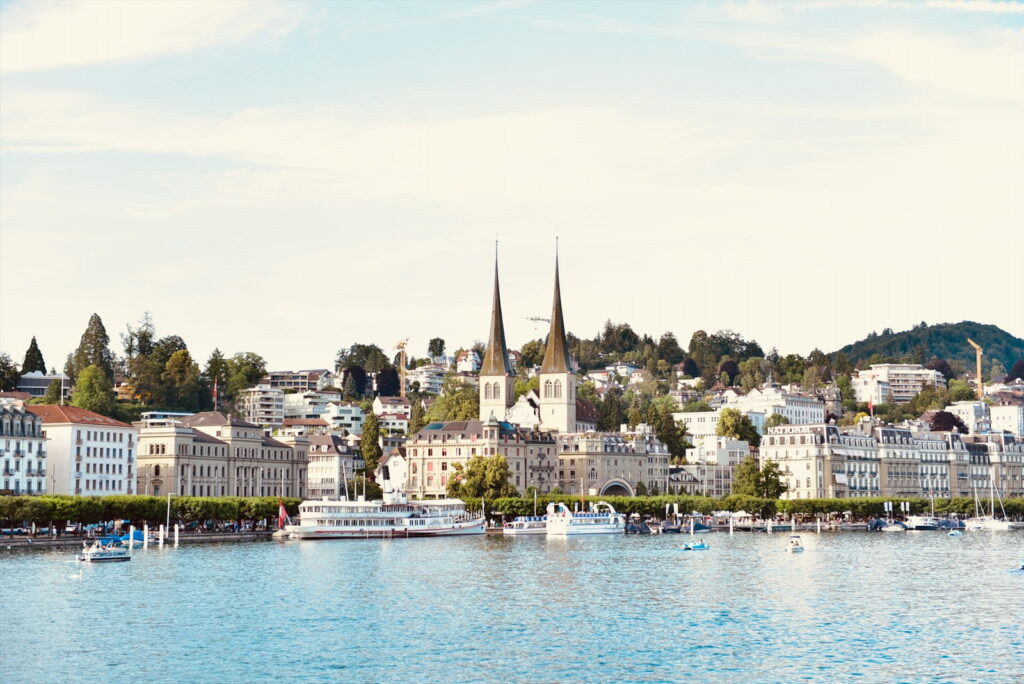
(288, 178)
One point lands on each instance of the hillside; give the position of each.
(944, 340)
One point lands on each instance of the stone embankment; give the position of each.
(25, 542)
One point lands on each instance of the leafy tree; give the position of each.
(697, 406)
(942, 366)
(54, 394)
(358, 485)
(458, 401)
(359, 380)
(1017, 371)
(961, 391)
(532, 354)
(33, 359)
(611, 412)
(93, 350)
(752, 373)
(435, 348)
(997, 374)
(640, 488)
(217, 372)
(388, 382)
(766, 483)
(669, 349)
(369, 357)
(484, 477)
(731, 369)
(181, 381)
(369, 442)
(9, 374)
(524, 386)
(690, 368)
(244, 370)
(944, 421)
(732, 423)
(775, 420)
(349, 389)
(417, 418)
(93, 392)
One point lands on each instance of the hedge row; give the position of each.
(655, 505)
(42, 510)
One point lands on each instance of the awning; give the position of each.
(840, 478)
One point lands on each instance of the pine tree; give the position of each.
(93, 392)
(93, 350)
(369, 443)
(33, 359)
(417, 418)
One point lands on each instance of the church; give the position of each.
(556, 399)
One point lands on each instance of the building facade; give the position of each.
(211, 454)
(22, 450)
(88, 454)
(301, 381)
(262, 405)
(433, 452)
(332, 463)
(899, 382)
(612, 463)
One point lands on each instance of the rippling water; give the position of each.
(856, 606)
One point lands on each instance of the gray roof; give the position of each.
(556, 356)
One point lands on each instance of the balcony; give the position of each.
(8, 473)
(41, 472)
(18, 453)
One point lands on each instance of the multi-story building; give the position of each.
(705, 423)
(710, 465)
(467, 361)
(310, 404)
(612, 463)
(262, 405)
(885, 460)
(429, 378)
(332, 463)
(433, 452)
(973, 413)
(797, 407)
(382, 405)
(393, 423)
(211, 454)
(899, 382)
(36, 383)
(1007, 418)
(302, 381)
(22, 449)
(88, 454)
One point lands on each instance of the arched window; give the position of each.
(156, 471)
(547, 389)
(487, 390)
(497, 391)
(558, 389)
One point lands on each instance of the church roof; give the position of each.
(496, 356)
(556, 356)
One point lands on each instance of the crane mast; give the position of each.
(977, 351)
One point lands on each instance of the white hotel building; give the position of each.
(900, 381)
(89, 454)
(22, 450)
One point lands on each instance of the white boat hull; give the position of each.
(574, 530)
(521, 531)
(477, 526)
(988, 525)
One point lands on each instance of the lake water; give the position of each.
(917, 606)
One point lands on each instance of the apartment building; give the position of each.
(22, 449)
(899, 382)
(88, 454)
(262, 405)
(302, 381)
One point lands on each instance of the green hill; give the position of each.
(944, 340)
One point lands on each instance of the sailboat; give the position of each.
(981, 522)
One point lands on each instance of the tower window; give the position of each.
(487, 391)
(547, 390)
(558, 389)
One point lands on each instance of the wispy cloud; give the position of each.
(42, 36)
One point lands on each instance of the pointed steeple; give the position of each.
(496, 356)
(556, 356)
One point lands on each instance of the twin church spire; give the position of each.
(557, 392)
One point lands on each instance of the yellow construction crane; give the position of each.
(401, 364)
(977, 351)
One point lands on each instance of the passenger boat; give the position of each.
(526, 524)
(600, 519)
(922, 522)
(795, 544)
(104, 551)
(395, 516)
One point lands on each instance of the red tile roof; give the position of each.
(55, 414)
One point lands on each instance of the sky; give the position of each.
(289, 178)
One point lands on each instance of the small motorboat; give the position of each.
(894, 527)
(104, 551)
(795, 544)
(955, 533)
(696, 546)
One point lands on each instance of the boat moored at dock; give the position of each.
(602, 518)
(393, 517)
(526, 524)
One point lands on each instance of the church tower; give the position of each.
(497, 382)
(557, 381)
